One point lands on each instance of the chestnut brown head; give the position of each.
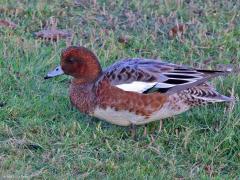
(78, 62)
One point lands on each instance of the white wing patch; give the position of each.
(140, 86)
(137, 86)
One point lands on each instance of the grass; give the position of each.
(41, 137)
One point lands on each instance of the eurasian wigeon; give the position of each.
(134, 91)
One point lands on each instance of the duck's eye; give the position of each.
(71, 59)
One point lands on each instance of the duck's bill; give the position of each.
(56, 72)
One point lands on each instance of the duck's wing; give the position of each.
(149, 76)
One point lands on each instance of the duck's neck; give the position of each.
(82, 96)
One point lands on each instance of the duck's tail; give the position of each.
(205, 93)
(216, 98)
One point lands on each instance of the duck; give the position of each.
(134, 91)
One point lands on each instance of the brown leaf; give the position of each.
(209, 169)
(123, 39)
(177, 30)
(53, 34)
(8, 24)
(11, 10)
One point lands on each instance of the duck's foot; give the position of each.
(133, 130)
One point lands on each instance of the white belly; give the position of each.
(121, 118)
(125, 118)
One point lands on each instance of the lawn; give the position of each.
(41, 136)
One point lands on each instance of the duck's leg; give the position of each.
(71, 105)
(145, 130)
(160, 125)
(133, 131)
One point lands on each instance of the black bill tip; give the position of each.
(47, 77)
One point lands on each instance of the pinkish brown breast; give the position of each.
(83, 97)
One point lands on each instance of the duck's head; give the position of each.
(78, 62)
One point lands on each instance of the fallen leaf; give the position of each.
(209, 169)
(53, 34)
(8, 24)
(177, 30)
(123, 39)
(12, 10)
